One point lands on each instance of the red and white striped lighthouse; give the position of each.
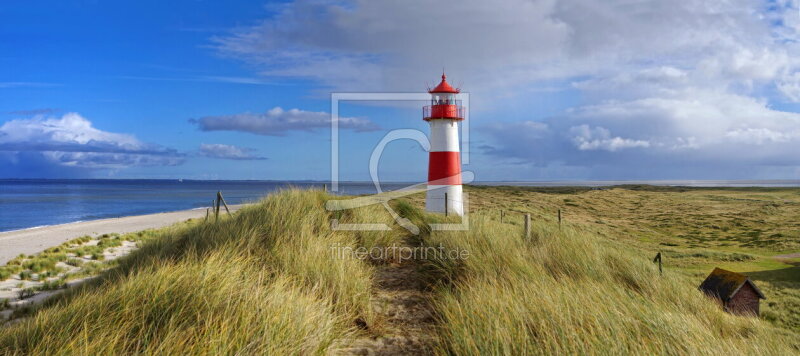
(444, 161)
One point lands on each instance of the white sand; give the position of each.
(30, 241)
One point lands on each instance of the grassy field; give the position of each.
(696, 229)
(263, 282)
(266, 280)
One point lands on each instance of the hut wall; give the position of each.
(745, 301)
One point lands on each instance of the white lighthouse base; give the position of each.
(435, 202)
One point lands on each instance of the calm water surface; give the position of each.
(33, 203)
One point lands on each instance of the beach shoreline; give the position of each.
(36, 239)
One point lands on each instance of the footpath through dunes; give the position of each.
(272, 280)
(403, 287)
(402, 302)
(266, 281)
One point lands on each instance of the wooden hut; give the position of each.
(737, 293)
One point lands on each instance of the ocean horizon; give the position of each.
(32, 203)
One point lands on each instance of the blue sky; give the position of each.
(241, 89)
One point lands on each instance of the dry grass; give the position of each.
(566, 292)
(695, 229)
(267, 282)
(263, 282)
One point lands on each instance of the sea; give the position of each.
(32, 203)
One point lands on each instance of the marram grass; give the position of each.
(565, 292)
(262, 282)
(267, 282)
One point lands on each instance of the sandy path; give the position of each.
(29, 241)
(791, 255)
(402, 296)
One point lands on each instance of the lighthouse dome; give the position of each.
(444, 87)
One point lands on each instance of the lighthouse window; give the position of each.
(443, 99)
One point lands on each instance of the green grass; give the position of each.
(9, 269)
(262, 282)
(266, 281)
(44, 264)
(52, 285)
(696, 229)
(566, 291)
(75, 262)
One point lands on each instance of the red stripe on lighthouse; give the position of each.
(444, 168)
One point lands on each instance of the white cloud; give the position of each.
(761, 136)
(72, 141)
(679, 82)
(709, 116)
(389, 45)
(693, 128)
(789, 86)
(278, 122)
(599, 138)
(217, 150)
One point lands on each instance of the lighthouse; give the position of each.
(444, 193)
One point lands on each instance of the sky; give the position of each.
(558, 90)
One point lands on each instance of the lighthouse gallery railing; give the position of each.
(443, 112)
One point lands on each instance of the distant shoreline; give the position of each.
(706, 183)
(42, 203)
(718, 183)
(36, 239)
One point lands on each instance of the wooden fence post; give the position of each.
(325, 188)
(527, 226)
(559, 218)
(207, 214)
(658, 259)
(502, 215)
(445, 204)
(221, 198)
(216, 210)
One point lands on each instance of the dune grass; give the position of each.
(695, 229)
(568, 292)
(267, 282)
(262, 282)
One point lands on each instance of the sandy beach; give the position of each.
(29, 241)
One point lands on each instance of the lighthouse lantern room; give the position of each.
(444, 192)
